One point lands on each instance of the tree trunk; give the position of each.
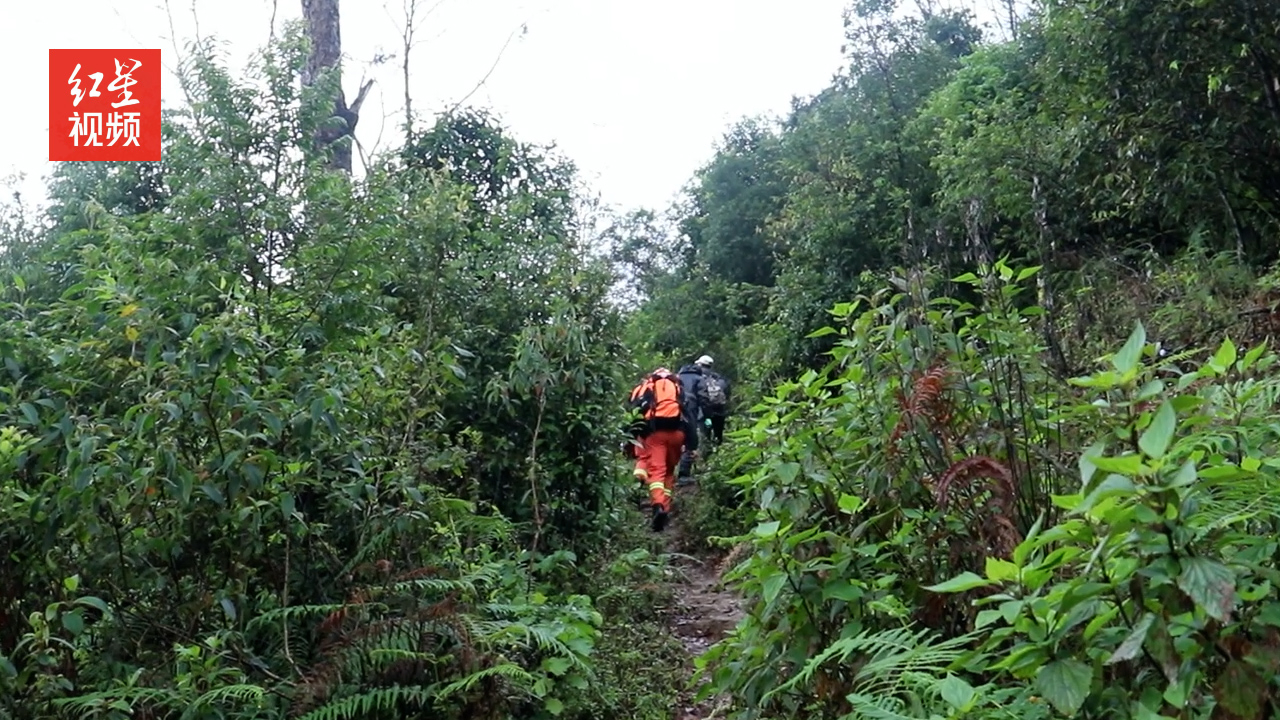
(324, 29)
(1044, 278)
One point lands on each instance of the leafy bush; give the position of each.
(276, 443)
(923, 548)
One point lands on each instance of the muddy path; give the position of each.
(702, 611)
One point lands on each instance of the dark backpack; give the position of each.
(713, 393)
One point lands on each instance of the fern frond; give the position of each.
(503, 610)
(242, 694)
(393, 654)
(510, 671)
(291, 613)
(888, 655)
(926, 405)
(435, 584)
(542, 637)
(376, 545)
(878, 707)
(356, 707)
(132, 695)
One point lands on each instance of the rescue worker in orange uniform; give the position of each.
(664, 429)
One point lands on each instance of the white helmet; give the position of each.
(704, 361)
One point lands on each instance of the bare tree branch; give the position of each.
(410, 26)
(524, 28)
(177, 53)
(382, 127)
(408, 34)
(195, 19)
(360, 96)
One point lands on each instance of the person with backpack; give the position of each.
(691, 383)
(713, 399)
(663, 429)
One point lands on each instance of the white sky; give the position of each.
(635, 93)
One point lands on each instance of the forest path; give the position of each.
(702, 611)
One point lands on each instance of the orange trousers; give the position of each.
(656, 461)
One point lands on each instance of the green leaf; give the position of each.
(850, 504)
(1102, 381)
(1132, 644)
(821, 332)
(787, 472)
(30, 413)
(1252, 356)
(556, 665)
(1185, 476)
(1225, 357)
(1142, 712)
(1130, 464)
(843, 309)
(1087, 468)
(1024, 548)
(772, 585)
(1178, 691)
(553, 705)
(1151, 389)
(1210, 584)
(1065, 684)
(273, 423)
(96, 603)
(1127, 359)
(1155, 440)
(960, 583)
(1111, 486)
(999, 570)
(957, 693)
(767, 530)
(1010, 609)
(985, 618)
(213, 492)
(841, 589)
(1269, 614)
(73, 621)
(1225, 471)
(287, 505)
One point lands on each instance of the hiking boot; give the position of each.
(684, 480)
(660, 518)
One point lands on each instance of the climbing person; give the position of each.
(691, 384)
(713, 400)
(663, 427)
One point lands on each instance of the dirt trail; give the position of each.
(702, 612)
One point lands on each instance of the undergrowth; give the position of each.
(640, 664)
(713, 508)
(943, 528)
